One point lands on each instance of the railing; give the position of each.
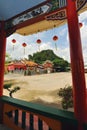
(22, 115)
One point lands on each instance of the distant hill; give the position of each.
(41, 57)
(44, 55)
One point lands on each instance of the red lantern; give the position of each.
(80, 25)
(13, 40)
(55, 38)
(38, 41)
(24, 45)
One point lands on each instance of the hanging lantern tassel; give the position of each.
(55, 46)
(38, 42)
(13, 41)
(24, 45)
(55, 38)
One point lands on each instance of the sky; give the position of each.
(47, 42)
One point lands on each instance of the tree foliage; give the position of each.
(11, 90)
(67, 97)
(62, 64)
(7, 58)
(41, 57)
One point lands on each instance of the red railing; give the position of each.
(22, 115)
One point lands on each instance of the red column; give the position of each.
(2, 55)
(77, 65)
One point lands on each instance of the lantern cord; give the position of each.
(39, 47)
(13, 47)
(38, 32)
(56, 46)
(24, 50)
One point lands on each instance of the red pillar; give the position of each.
(77, 64)
(2, 60)
(2, 55)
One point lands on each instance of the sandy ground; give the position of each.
(39, 88)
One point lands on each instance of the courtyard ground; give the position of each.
(41, 89)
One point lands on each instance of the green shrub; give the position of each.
(67, 97)
(11, 90)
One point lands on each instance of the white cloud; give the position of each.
(45, 46)
(63, 31)
(83, 16)
(63, 53)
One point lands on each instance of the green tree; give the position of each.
(30, 57)
(67, 97)
(7, 58)
(62, 64)
(41, 57)
(44, 55)
(11, 91)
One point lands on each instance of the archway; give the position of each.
(40, 14)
